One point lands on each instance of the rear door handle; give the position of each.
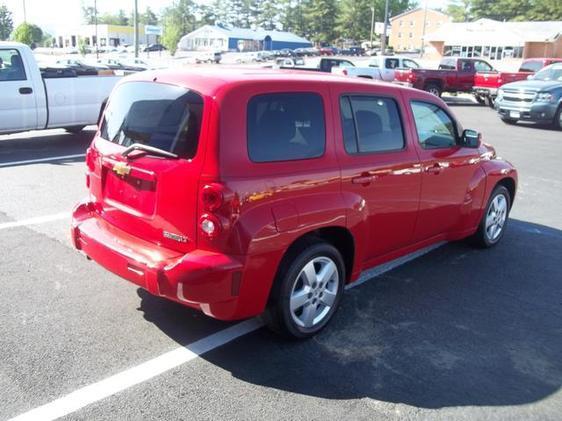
(435, 169)
(26, 91)
(362, 179)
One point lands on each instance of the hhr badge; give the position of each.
(175, 237)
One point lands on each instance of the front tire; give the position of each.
(494, 221)
(307, 291)
(509, 121)
(557, 122)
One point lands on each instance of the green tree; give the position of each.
(88, 15)
(148, 17)
(460, 10)
(6, 23)
(321, 18)
(29, 34)
(502, 9)
(178, 20)
(546, 10)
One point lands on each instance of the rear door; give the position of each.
(380, 166)
(149, 194)
(18, 108)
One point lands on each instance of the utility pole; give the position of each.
(372, 26)
(136, 25)
(423, 30)
(383, 41)
(96, 27)
(24, 13)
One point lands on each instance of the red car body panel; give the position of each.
(386, 204)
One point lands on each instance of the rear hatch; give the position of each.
(144, 166)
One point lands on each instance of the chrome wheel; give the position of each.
(314, 292)
(496, 217)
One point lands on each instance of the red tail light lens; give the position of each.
(212, 197)
(90, 160)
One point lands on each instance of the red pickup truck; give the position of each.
(486, 84)
(248, 191)
(455, 74)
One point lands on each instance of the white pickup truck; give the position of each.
(386, 65)
(55, 98)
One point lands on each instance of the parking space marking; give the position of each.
(35, 221)
(40, 160)
(145, 371)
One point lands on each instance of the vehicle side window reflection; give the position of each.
(11, 66)
(434, 126)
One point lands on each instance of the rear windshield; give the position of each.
(162, 116)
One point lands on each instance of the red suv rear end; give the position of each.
(238, 191)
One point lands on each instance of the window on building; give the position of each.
(285, 127)
(411, 35)
(399, 34)
(412, 23)
(400, 22)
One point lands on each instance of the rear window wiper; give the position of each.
(148, 149)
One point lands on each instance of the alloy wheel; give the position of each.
(314, 292)
(496, 217)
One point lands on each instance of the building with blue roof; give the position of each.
(224, 38)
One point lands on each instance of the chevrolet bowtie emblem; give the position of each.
(121, 169)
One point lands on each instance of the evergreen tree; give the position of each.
(6, 23)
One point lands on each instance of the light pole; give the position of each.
(24, 13)
(96, 27)
(383, 41)
(423, 30)
(136, 25)
(372, 26)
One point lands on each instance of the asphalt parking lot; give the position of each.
(459, 333)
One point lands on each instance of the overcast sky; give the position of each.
(51, 14)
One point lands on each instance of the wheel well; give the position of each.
(339, 237)
(509, 184)
(433, 82)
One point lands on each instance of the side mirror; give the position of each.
(471, 138)
(531, 77)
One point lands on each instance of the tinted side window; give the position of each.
(11, 66)
(392, 63)
(531, 66)
(482, 66)
(410, 64)
(371, 124)
(287, 126)
(434, 126)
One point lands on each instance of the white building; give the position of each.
(108, 35)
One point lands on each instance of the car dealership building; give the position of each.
(495, 40)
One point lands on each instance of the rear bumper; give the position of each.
(204, 280)
(485, 91)
(539, 112)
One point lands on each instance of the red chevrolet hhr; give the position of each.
(241, 192)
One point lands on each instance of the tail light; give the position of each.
(411, 77)
(212, 199)
(500, 81)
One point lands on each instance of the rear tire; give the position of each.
(307, 291)
(480, 99)
(433, 89)
(494, 220)
(74, 129)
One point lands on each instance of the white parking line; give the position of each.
(38, 161)
(172, 359)
(35, 221)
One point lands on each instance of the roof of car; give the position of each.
(209, 80)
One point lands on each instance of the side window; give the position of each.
(392, 63)
(371, 124)
(434, 126)
(285, 127)
(531, 66)
(482, 66)
(11, 65)
(466, 66)
(410, 64)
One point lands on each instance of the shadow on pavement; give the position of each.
(459, 326)
(50, 144)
